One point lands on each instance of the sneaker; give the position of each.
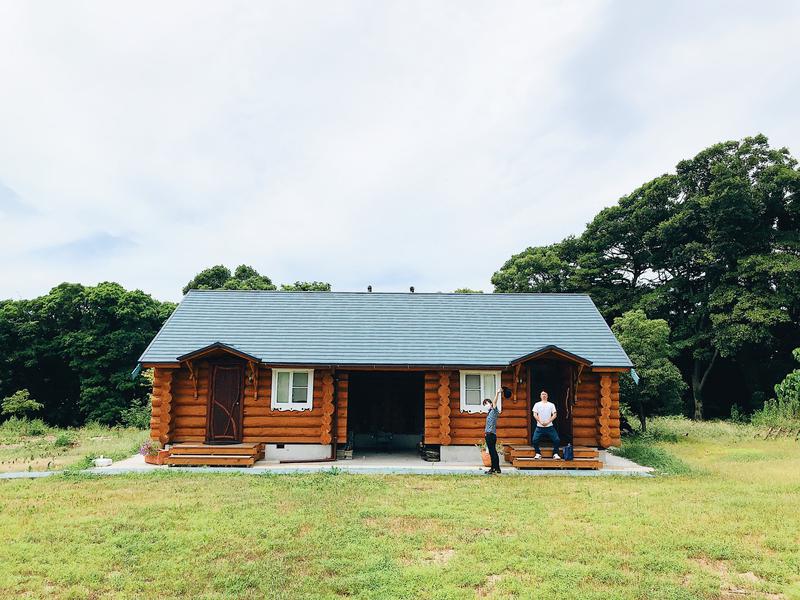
(489, 472)
(537, 457)
(556, 457)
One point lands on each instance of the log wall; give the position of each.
(180, 409)
(445, 424)
(341, 408)
(180, 406)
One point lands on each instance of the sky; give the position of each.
(361, 143)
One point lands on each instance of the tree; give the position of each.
(219, 277)
(726, 256)
(540, 269)
(617, 246)
(713, 248)
(306, 286)
(467, 291)
(20, 404)
(74, 349)
(660, 385)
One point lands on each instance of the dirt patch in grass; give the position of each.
(439, 557)
(729, 588)
(488, 586)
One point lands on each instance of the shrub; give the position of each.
(64, 440)
(20, 404)
(784, 409)
(137, 415)
(35, 427)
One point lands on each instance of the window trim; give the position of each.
(462, 396)
(308, 405)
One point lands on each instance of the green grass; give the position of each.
(729, 528)
(33, 446)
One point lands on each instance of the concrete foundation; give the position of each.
(461, 454)
(464, 454)
(297, 451)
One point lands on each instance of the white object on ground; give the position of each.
(102, 462)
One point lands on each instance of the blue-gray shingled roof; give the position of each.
(385, 329)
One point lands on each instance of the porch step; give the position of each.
(233, 455)
(514, 451)
(549, 463)
(209, 449)
(218, 460)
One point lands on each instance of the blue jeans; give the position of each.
(548, 432)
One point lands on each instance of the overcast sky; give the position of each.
(383, 143)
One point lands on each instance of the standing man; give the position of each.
(490, 434)
(545, 413)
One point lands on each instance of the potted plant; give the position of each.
(485, 456)
(153, 453)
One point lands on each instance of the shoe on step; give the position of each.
(489, 472)
(556, 457)
(537, 457)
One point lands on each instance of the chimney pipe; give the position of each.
(412, 289)
(369, 288)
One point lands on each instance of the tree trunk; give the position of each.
(642, 420)
(699, 379)
(697, 391)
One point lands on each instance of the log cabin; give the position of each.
(299, 374)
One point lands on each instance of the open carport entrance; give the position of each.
(386, 411)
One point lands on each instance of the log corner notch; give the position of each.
(444, 408)
(604, 418)
(164, 379)
(327, 409)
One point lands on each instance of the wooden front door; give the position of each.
(225, 410)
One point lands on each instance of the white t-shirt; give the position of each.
(545, 411)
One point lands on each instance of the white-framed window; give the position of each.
(292, 389)
(476, 386)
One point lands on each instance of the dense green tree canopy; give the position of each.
(219, 277)
(713, 249)
(75, 347)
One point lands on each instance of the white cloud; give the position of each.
(395, 144)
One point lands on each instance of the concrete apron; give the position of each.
(372, 465)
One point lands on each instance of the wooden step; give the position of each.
(218, 460)
(252, 449)
(528, 451)
(549, 463)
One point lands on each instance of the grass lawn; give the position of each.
(728, 527)
(33, 446)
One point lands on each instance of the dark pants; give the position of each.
(546, 432)
(491, 446)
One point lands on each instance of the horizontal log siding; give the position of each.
(262, 424)
(586, 410)
(432, 419)
(341, 408)
(468, 428)
(188, 414)
(182, 417)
